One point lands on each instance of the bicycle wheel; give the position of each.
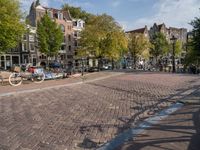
(15, 79)
(38, 78)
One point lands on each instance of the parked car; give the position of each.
(55, 65)
(93, 69)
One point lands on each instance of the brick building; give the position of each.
(62, 18)
(179, 33)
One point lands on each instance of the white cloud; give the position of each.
(177, 13)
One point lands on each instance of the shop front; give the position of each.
(7, 61)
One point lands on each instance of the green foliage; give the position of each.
(77, 12)
(178, 48)
(196, 35)
(50, 36)
(11, 28)
(193, 45)
(102, 37)
(160, 45)
(138, 45)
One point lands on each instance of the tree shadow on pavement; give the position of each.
(195, 140)
(183, 134)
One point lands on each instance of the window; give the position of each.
(25, 59)
(8, 62)
(62, 57)
(75, 23)
(24, 47)
(15, 60)
(32, 47)
(70, 48)
(34, 61)
(69, 37)
(64, 40)
(69, 56)
(69, 28)
(63, 47)
(79, 24)
(75, 43)
(31, 38)
(24, 37)
(2, 61)
(56, 15)
(60, 16)
(76, 53)
(75, 33)
(62, 27)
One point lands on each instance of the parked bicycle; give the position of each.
(33, 74)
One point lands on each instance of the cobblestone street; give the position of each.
(86, 115)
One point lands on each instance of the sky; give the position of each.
(133, 14)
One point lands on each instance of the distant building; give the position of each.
(78, 26)
(25, 51)
(62, 18)
(28, 49)
(179, 33)
(12, 57)
(140, 30)
(129, 58)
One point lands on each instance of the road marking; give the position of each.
(133, 132)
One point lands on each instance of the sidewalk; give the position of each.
(27, 86)
(179, 131)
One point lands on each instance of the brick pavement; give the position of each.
(28, 85)
(88, 115)
(179, 131)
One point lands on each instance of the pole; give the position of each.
(173, 59)
(82, 67)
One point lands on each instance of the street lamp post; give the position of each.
(82, 67)
(173, 39)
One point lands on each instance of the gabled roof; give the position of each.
(140, 30)
(66, 14)
(40, 7)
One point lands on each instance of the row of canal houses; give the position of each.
(180, 34)
(27, 50)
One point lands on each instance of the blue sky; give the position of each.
(132, 14)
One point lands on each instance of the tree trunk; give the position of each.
(112, 64)
(156, 62)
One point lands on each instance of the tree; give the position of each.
(11, 27)
(195, 43)
(159, 45)
(102, 38)
(77, 12)
(50, 36)
(138, 45)
(178, 48)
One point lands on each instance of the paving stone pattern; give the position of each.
(88, 115)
